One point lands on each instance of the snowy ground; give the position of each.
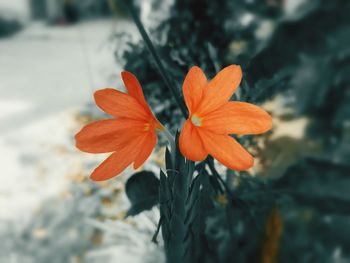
(47, 76)
(46, 69)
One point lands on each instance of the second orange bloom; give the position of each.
(212, 117)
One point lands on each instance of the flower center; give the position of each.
(196, 120)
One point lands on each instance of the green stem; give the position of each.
(171, 141)
(157, 59)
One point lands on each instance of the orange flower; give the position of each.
(130, 135)
(212, 117)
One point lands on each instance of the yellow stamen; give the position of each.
(147, 126)
(155, 125)
(196, 120)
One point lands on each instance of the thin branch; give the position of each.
(215, 173)
(154, 238)
(155, 55)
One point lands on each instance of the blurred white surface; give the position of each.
(47, 76)
(53, 68)
(47, 73)
(20, 8)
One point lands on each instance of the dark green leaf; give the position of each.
(142, 191)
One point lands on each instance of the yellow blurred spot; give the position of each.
(40, 233)
(222, 199)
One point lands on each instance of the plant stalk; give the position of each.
(154, 53)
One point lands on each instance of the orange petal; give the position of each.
(238, 118)
(112, 166)
(226, 150)
(120, 104)
(118, 161)
(220, 89)
(107, 135)
(134, 89)
(146, 149)
(192, 87)
(191, 145)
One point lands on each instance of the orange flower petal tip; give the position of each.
(130, 136)
(213, 117)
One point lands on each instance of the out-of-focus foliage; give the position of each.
(304, 57)
(316, 212)
(8, 24)
(318, 184)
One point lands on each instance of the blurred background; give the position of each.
(54, 54)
